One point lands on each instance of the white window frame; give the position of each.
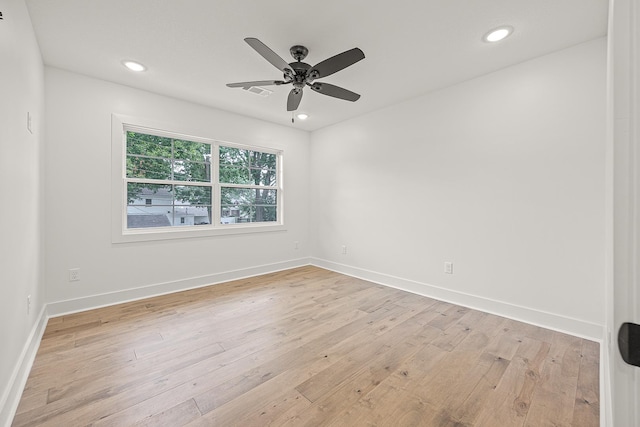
(121, 234)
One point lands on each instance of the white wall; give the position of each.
(502, 175)
(21, 74)
(78, 222)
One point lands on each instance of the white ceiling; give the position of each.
(192, 48)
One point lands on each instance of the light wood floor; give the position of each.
(306, 347)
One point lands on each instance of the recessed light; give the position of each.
(134, 66)
(498, 34)
(302, 116)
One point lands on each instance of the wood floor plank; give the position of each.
(405, 334)
(269, 362)
(366, 378)
(306, 346)
(464, 406)
(554, 397)
(290, 417)
(510, 402)
(587, 406)
(448, 317)
(176, 415)
(388, 402)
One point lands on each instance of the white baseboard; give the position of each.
(13, 390)
(59, 308)
(556, 322)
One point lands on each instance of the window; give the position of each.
(247, 186)
(167, 179)
(171, 182)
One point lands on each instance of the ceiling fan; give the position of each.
(301, 74)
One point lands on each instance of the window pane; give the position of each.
(184, 170)
(263, 176)
(192, 195)
(266, 197)
(189, 150)
(234, 156)
(192, 215)
(269, 213)
(192, 203)
(149, 194)
(234, 175)
(142, 167)
(167, 216)
(263, 160)
(148, 145)
(235, 196)
(152, 205)
(247, 205)
(239, 166)
(148, 216)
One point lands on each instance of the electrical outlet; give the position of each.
(344, 249)
(296, 245)
(28, 304)
(74, 274)
(448, 267)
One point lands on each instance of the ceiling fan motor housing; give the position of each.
(300, 73)
(299, 52)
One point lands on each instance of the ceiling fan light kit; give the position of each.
(300, 74)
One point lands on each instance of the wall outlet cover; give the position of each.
(448, 267)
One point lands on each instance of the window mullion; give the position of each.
(252, 186)
(279, 186)
(173, 159)
(142, 156)
(167, 182)
(216, 201)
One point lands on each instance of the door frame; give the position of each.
(622, 381)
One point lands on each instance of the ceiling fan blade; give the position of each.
(267, 53)
(295, 96)
(336, 63)
(258, 83)
(335, 91)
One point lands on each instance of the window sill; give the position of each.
(147, 235)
